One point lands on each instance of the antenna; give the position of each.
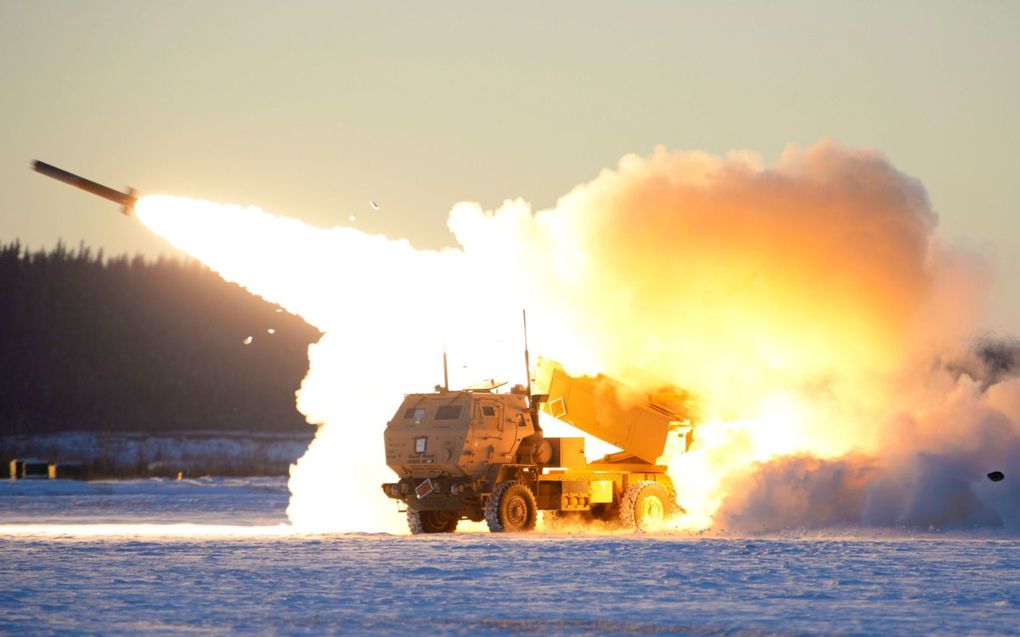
(527, 357)
(446, 372)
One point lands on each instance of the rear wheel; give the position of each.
(511, 507)
(645, 506)
(431, 521)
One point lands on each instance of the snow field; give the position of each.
(467, 584)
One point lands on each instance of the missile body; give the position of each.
(126, 200)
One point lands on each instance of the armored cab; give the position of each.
(478, 454)
(456, 435)
(448, 448)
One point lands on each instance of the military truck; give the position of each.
(477, 454)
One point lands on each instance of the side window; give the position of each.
(488, 410)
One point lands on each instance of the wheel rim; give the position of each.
(652, 510)
(516, 512)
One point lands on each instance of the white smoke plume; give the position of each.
(802, 303)
(930, 470)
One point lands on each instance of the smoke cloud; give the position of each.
(805, 304)
(931, 470)
(808, 305)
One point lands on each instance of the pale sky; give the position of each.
(312, 109)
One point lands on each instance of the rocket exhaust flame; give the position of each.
(801, 303)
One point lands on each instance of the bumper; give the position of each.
(429, 494)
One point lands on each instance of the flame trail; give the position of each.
(385, 310)
(800, 302)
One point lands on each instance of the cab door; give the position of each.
(501, 436)
(490, 414)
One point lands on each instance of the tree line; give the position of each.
(91, 343)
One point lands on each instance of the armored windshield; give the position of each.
(448, 412)
(416, 414)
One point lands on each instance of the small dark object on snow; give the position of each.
(996, 476)
(67, 471)
(28, 468)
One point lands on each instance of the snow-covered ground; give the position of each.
(232, 501)
(98, 559)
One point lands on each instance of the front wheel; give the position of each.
(511, 507)
(431, 521)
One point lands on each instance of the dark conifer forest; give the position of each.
(90, 343)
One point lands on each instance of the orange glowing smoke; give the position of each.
(796, 301)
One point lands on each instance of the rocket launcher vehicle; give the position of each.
(126, 200)
(477, 455)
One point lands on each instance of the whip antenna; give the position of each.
(446, 372)
(527, 357)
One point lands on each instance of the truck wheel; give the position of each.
(645, 506)
(431, 521)
(511, 507)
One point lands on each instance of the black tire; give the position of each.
(511, 508)
(431, 521)
(646, 506)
